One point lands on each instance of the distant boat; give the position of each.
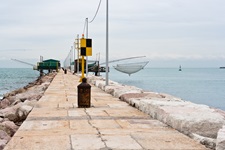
(180, 68)
(130, 68)
(222, 67)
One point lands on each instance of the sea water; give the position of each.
(198, 85)
(14, 78)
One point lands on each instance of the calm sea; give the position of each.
(198, 85)
(14, 78)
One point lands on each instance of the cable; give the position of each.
(85, 23)
(96, 12)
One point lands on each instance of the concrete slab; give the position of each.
(105, 124)
(121, 142)
(66, 105)
(77, 112)
(39, 143)
(96, 112)
(128, 112)
(87, 142)
(53, 99)
(46, 112)
(168, 140)
(40, 104)
(44, 125)
(83, 127)
(141, 124)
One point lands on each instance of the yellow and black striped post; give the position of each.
(85, 47)
(85, 50)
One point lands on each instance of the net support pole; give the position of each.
(86, 56)
(107, 46)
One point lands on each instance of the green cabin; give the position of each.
(49, 64)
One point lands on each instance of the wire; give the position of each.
(96, 11)
(86, 22)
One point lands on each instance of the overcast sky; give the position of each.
(168, 32)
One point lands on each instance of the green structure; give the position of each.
(49, 65)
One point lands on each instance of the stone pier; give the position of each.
(56, 123)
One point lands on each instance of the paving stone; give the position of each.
(46, 112)
(97, 112)
(82, 126)
(168, 140)
(65, 105)
(44, 125)
(77, 112)
(105, 124)
(39, 143)
(121, 142)
(141, 124)
(87, 142)
(131, 112)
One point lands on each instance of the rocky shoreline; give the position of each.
(200, 122)
(16, 105)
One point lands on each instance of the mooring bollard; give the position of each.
(65, 71)
(84, 94)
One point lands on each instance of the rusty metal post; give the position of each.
(84, 94)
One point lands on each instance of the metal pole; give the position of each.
(78, 58)
(107, 45)
(74, 48)
(71, 57)
(86, 56)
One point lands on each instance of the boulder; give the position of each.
(220, 143)
(13, 93)
(4, 136)
(137, 96)
(3, 143)
(31, 103)
(184, 116)
(208, 142)
(10, 112)
(120, 90)
(4, 103)
(22, 112)
(110, 89)
(4, 113)
(9, 127)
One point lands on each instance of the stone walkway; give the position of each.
(56, 123)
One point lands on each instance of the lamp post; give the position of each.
(107, 46)
(86, 56)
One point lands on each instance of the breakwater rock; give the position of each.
(16, 105)
(199, 122)
(220, 143)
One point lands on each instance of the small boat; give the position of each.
(130, 68)
(180, 68)
(222, 67)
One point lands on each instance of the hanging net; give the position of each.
(130, 68)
